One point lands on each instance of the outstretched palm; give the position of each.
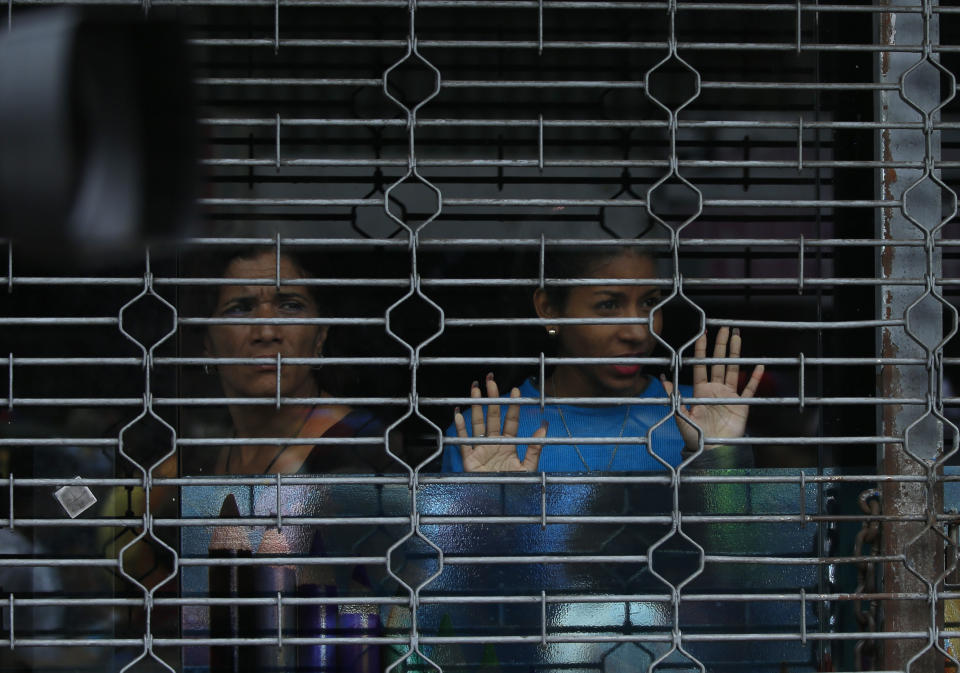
(494, 457)
(717, 421)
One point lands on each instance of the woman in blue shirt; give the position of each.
(670, 437)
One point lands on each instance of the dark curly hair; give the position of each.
(582, 262)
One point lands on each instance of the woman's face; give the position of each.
(599, 340)
(263, 339)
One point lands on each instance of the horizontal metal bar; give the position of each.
(426, 599)
(311, 282)
(654, 242)
(788, 282)
(71, 481)
(640, 637)
(191, 522)
(661, 401)
(558, 202)
(207, 600)
(560, 559)
(289, 81)
(493, 241)
(688, 282)
(563, 559)
(206, 562)
(483, 519)
(290, 202)
(352, 162)
(72, 642)
(527, 4)
(812, 361)
(473, 519)
(471, 322)
(292, 641)
(553, 45)
(427, 122)
(282, 321)
(713, 322)
(683, 477)
(287, 521)
(370, 441)
(184, 642)
(666, 637)
(447, 361)
(201, 401)
(464, 478)
(6, 561)
(451, 401)
(57, 441)
(541, 84)
(628, 441)
(61, 321)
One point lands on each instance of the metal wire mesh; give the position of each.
(792, 164)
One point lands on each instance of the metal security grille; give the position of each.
(793, 165)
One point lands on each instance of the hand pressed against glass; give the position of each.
(495, 457)
(628, 339)
(717, 420)
(263, 339)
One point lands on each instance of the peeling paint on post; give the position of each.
(921, 547)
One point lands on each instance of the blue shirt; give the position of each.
(595, 421)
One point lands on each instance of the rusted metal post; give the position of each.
(916, 218)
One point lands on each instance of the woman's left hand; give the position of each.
(716, 420)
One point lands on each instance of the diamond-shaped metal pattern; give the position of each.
(928, 86)
(412, 82)
(672, 83)
(929, 203)
(674, 201)
(676, 559)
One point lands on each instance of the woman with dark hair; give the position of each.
(277, 321)
(670, 439)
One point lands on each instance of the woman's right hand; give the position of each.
(495, 457)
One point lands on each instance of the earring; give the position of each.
(206, 369)
(552, 332)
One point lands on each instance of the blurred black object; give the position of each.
(98, 137)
